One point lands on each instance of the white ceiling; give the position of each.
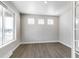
(39, 7)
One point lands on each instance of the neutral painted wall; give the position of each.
(77, 28)
(7, 50)
(39, 33)
(65, 28)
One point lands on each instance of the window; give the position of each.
(0, 24)
(7, 28)
(50, 21)
(8, 25)
(41, 21)
(31, 21)
(77, 20)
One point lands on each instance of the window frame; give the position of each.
(14, 26)
(29, 21)
(41, 21)
(50, 22)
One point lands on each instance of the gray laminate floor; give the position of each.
(43, 50)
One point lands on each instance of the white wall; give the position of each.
(37, 33)
(7, 50)
(77, 27)
(65, 28)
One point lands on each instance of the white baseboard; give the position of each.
(11, 52)
(47, 42)
(8, 54)
(39, 42)
(16, 46)
(65, 44)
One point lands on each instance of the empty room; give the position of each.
(36, 29)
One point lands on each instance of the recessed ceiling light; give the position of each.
(45, 2)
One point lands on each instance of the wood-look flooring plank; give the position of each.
(43, 50)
